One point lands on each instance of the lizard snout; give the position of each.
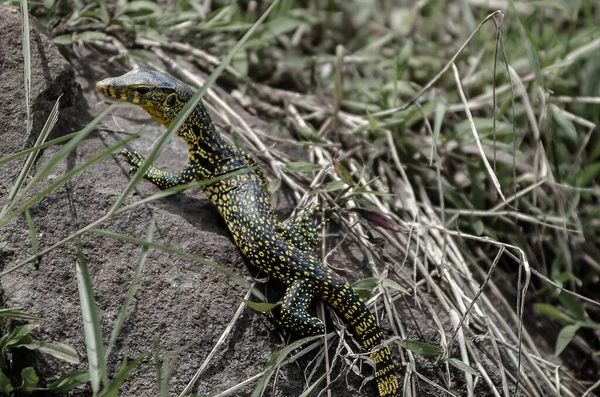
(105, 87)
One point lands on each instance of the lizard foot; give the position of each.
(134, 159)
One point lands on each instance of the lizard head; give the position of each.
(161, 95)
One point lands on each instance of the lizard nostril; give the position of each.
(104, 87)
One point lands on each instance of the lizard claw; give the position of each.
(133, 158)
(132, 171)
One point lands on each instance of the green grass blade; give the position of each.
(189, 107)
(177, 189)
(22, 153)
(91, 325)
(48, 126)
(68, 382)
(127, 368)
(64, 151)
(103, 218)
(274, 361)
(169, 250)
(134, 284)
(12, 313)
(313, 388)
(30, 225)
(532, 49)
(26, 63)
(65, 178)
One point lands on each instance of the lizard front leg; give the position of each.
(162, 179)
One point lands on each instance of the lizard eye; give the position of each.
(170, 101)
(142, 90)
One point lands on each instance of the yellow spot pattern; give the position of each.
(242, 200)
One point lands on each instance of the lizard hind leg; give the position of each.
(303, 234)
(294, 316)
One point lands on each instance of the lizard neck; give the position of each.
(212, 154)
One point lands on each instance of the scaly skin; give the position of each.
(242, 200)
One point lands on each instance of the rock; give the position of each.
(180, 307)
(51, 77)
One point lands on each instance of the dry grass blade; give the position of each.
(275, 360)
(219, 343)
(489, 169)
(130, 294)
(48, 126)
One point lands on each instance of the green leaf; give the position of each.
(301, 166)
(64, 39)
(312, 389)
(103, 13)
(274, 186)
(364, 288)
(19, 335)
(5, 386)
(335, 185)
(69, 381)
(125, 372)
(342, 172)
(567, 128)
(13, 313)
(589, 174)
(261, 307)
(422, 348)
(478, 227)
(553, 313)
(484, 127)
(29, 379)
(575, 308)
(462, 366)
(58, 350)
(90, 36)
(565, 336)
(566, 276)
(386, 282)
(330, 187)
(140, 8)
(91, 325)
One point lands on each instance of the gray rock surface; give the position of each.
(180, 306)
(51, 77)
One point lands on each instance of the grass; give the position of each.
(482, 125)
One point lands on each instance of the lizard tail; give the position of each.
(364, 327)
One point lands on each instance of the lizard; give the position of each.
(285, 253)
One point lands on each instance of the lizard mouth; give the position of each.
(106, 88)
